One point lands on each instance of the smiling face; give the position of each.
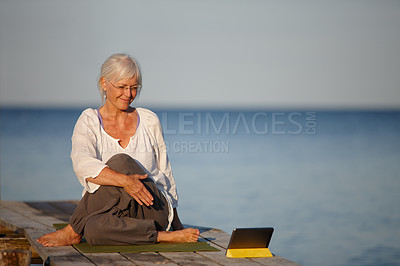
(121, 93)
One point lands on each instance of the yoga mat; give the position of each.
(60, 226)
(159, 247)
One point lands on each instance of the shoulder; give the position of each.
(148, 116)
(88, 116)
(89, 112)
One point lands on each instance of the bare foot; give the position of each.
(63, 237)
(185, 235)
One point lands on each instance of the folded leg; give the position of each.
(110, 216)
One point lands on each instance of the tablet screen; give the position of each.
(251, 237)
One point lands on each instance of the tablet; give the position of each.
(244, 238)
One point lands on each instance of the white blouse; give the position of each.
(92, 147)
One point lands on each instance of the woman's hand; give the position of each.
(134, 187)
(130, 183)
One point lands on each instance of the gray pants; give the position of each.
(110, 216)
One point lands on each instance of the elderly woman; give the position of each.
(119, 156)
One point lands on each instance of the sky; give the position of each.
(204, 54)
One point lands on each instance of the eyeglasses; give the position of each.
(122, 88)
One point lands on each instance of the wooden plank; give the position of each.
(147, 259)
(275, 261)
(49, 210)
(29, 213)
(67, 259)
(220, 258)
(16, 221)
(108, 259)
(216, 236)
(63, 209)
(14, 243)
(66, 207)
(5, 230)
(54, 255)
(187, 258)
(34, 225)
(198, 258)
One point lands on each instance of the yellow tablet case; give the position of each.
(249, 253)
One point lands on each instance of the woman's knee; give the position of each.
(119, 159)
(125, 164)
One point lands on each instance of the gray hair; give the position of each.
(118, 67)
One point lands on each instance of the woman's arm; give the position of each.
(130, 183)
(84, 153)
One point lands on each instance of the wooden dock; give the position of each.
(31, 220)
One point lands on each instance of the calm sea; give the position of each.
(328, 182)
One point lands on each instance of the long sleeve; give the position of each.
(84, 153)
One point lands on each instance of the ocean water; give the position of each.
(327, 181)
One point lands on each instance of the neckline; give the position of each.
(118, 140)
(101, 119)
